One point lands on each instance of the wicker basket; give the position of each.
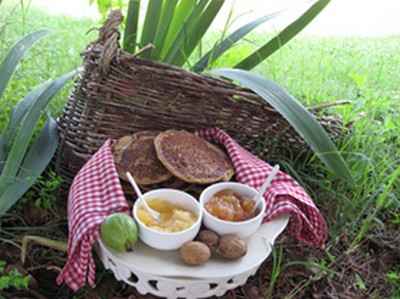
(118, 94)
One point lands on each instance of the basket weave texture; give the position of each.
(117, 94)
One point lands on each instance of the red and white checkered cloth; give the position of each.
(96, 193)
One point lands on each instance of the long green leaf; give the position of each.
(178, 45)
(296, 114)
(181, 13)
(151, 21)
(283, 37)
(26, 129)
(35, 162)
(103, 6)
(17, 52)
(163, 26)
(131, 27)
(3, 152)
(197, 30)
(18, 113)
(228, 42)
(42, 150)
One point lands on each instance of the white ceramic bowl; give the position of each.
(166, 240)
(222, 227)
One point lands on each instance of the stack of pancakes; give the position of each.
(171, 159)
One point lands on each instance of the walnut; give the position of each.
(231, 247)
(210, 238)
(195, 253)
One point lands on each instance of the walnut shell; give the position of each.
(231, 247)
(195, 253)
(210, 238)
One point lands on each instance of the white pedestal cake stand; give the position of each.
(163, 274)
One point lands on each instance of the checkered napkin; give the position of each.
(97, 193)
(284, 196)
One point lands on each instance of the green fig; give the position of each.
(119, 232)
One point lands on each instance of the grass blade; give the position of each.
(3, 152)
(35, 162)
(177, 47)
(228, 42)
(181, 13)
(131, 26)
(41, 151)
(26, 129)
(18, 114)
(283, 37)
(390, 184)
(195, 31)
(165, 21)
(296, 114)
(17, 52)
(151, 21)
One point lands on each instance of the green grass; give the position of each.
(53, 56)
(315, 70)
(364, 71)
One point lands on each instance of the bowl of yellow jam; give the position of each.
(180, 218)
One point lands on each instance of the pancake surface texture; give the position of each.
(137, 155)
(191, 158)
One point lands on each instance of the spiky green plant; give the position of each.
(22, 157)
(296, 114)
(177, 27)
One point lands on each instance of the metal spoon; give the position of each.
(153, 213)
(264, 187)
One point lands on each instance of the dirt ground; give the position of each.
(303, 273)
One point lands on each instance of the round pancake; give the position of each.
(137, 155)
(145, 134)
(119, 147)
(173, 182)
(191, 158)
(123, 142)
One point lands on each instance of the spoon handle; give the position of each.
(264, 187)
(153, 213)
(134, 185)
(268, 181)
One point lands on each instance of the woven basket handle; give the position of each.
(109, 38)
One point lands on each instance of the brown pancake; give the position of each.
(145, 134)
(173, 183)
(123, 142)
(137, 155)
(191, 158)
(119, 147)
